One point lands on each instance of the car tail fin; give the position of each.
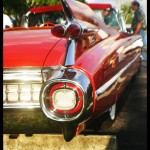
(81, 12)
(80, 20)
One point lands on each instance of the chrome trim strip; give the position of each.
(19, 76)
(67, 11)
(35, 77)
(105, 86)
(71, 50)
(21, 69)
(22, 105)
(22, 75)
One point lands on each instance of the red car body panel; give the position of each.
(31, 48)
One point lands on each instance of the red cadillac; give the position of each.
(69, 74)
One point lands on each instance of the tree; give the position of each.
(127, 12)
(36, 3)
(16, 8)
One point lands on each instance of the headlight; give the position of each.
(64, 99)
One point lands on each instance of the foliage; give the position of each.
(16, 8)
(127, 12)
(35, 3)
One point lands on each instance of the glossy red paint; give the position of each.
(46, 9)
(101, 71)
(57, 55)
(31, 48)
(99, 6)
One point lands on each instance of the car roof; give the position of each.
(59, 8)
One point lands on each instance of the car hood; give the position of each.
(26, 48)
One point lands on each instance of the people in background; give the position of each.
(110, 18)
(105, 13)
(139, 22)
(7, 22)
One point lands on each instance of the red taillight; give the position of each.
(63, 102)
(74, 30)
(77, 108)
(58, 31)
(77, 89)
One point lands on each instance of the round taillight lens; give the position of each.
(74, 30)
(58, 31)
(64, 99)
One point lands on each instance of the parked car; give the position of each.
(69, 74)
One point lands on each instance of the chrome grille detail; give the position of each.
(21, 87)
(21, 92)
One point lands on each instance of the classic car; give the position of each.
(69, 74)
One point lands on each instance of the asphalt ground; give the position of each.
(130, 125)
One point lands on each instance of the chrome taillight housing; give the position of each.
(62, 100)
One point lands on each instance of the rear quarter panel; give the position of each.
(102, 61)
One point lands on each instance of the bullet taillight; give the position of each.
(59, 31)
(74, 30)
